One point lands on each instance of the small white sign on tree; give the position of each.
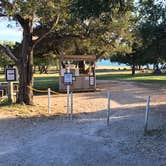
(11, 74)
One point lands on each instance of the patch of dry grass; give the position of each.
(27, 111)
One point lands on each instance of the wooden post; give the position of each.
(10, 92)
(146, 114)
(108, 107)
(1, 93)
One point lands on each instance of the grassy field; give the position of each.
(126, 76)
(45, 81)
(42, 81)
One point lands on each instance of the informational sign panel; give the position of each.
(77, 72)
(68, 78)
(11, 74)
(91, 80)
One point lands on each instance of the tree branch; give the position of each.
(21, 20)
(100, 55)
(47, 33)
(8, 51)
(7, 4)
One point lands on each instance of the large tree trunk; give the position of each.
(26, 81)
(133, 70)
(25, 68)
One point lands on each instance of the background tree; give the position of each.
(153, 30)
(5, 61)
(146, 41)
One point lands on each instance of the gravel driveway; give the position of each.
(87, 140)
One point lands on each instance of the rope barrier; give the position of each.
(53, 92)
(41, 91)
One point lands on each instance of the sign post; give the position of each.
(146, 114)
(11, 75)
(68, 78)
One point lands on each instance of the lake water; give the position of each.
(108, 63)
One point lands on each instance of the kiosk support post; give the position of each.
(10, 92)
(68, 95)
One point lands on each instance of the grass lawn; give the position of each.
(126, 76)
(42, 81)
(45, 81)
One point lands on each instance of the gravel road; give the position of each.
(87, 140)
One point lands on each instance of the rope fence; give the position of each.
(49, 91)
(69, 100)
(42, 91)
(143, 103)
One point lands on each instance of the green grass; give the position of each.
(45, 81)
(42, 81)
(126, 76)
(2, 78)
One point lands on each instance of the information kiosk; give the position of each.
(79, 68)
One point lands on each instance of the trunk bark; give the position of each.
(133, 70)
(26, 81)
(139, 67)
(25, 69)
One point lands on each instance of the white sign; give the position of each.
(92, 81)
(68, 78)
(77, 72)
(11, 74)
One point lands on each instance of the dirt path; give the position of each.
(87, 141)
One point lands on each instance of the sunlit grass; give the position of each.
(45, 81)
(126, 76)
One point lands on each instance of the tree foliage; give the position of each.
(153, 30)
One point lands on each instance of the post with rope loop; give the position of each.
(49, 91)
(108, 107)
(49, 100)
(146, 114)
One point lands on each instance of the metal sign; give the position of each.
(91, 80)
(68, 78)
(11, 74)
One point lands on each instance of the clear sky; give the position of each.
(12, 33)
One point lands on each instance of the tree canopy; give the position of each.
(116, 28)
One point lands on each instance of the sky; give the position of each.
(9, 33)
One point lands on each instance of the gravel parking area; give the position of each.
(87, 140)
